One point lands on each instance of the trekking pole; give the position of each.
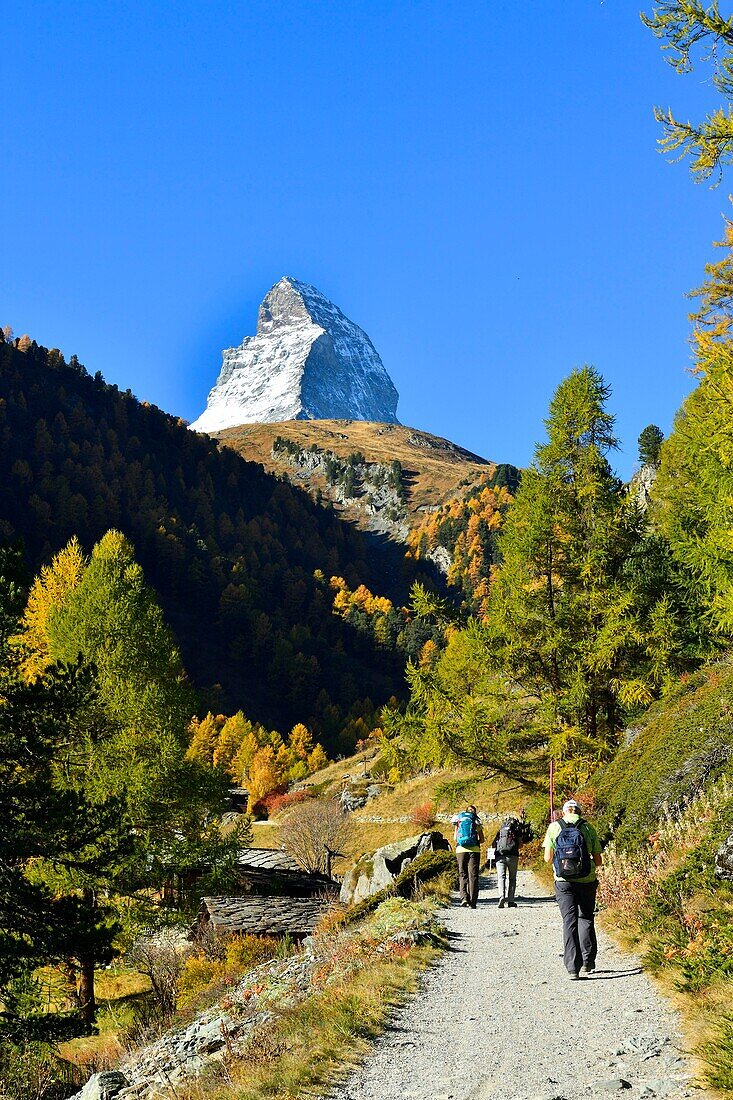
(552, 790)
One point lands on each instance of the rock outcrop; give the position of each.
(642, 485)
(307, 362)
(724, 860)
(374, 872)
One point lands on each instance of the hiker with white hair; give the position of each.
(573, 847)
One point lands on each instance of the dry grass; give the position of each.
(627, 889)
(494, 795)
(117, 990)
(432, 470)
(316, 1043)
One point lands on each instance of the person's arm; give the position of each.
(548, 846)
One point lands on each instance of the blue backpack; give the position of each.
(572, 857)
(467, 835)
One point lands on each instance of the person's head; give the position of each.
(571, 808)
(473, 810)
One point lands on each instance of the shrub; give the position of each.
(423, 816)
(424, 868)
(197, 975)
(161, 958)
(205, 972)
(245, 952)
(31, 1071)
(310, 829)
(275, 802)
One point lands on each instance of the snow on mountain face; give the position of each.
(307, 362)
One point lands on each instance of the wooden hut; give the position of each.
(272, 872)
(260, 916)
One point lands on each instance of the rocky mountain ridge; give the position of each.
(383, 477)
(307, 361)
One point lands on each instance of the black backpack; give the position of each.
(572, 857)
(507, 842)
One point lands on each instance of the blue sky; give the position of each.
(476, 184)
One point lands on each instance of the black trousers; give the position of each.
(468, 865)
(577, 901)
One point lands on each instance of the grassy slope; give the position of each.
(667, 802)
(433, 466)
(684, 742)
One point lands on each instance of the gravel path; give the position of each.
(497, 1019)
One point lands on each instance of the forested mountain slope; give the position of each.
(231, 550)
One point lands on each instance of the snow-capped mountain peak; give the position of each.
(308, 361)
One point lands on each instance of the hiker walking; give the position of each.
(469, 836)
(506, 844)
(575, 851)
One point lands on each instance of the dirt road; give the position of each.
(498, 1019)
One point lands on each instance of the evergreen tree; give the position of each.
(694, 491)
(43, 823)
(562, 618)
(650, 445)
(461, 712)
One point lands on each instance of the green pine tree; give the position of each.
(562, 617)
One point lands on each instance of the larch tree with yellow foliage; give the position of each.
(688, 30)
(47, 596)
(694, 491)
(574, 620)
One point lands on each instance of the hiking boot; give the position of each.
(590, 969)
(502, 903)
(464, 903)
(512, 904)
(573, 975)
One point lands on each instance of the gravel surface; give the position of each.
(498, 1019)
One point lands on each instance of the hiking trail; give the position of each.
(496, 1018)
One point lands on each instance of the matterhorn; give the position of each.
(307, 362)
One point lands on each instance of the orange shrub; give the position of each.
(423, 816)
(276, 801)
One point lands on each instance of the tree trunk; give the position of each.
(87, 1000)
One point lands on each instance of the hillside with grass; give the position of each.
(665, 807)
(431, 468)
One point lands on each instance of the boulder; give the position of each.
(350, 800)
(373, 873)
(724, 860)
(103, 1086)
